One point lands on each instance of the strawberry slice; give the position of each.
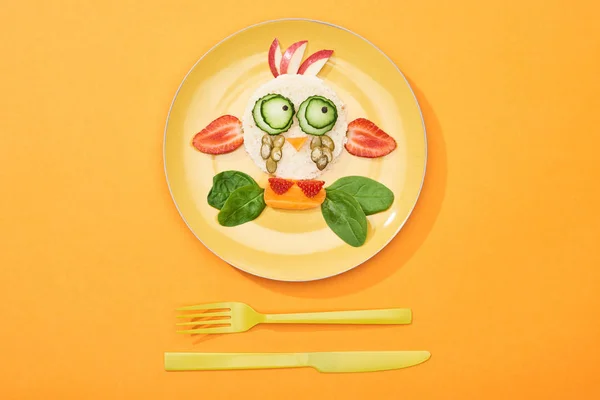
(280, 185)
(221, 136)
(310, 188)
(365, 139)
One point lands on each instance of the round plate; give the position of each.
(293, 245)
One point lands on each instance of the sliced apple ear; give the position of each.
(292, 58)
(313, 64)
(275, 57)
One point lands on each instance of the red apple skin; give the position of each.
(274, 48)
(319, 55)
(287, 56)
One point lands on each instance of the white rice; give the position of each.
(294, 164)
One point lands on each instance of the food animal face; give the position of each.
(303, 155)
(294, 128)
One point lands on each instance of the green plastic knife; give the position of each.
(353, 361)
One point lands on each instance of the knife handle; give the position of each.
(371, 317)
(232, 361)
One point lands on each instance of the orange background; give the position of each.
(499, 261)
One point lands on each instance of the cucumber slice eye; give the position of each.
(317, 115)
(320, 113)
(277, 111)
(273, 114)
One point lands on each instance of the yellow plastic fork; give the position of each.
(233, 317)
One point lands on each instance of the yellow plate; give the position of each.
(293, 245)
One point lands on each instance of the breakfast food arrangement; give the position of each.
(294, 164)
(295, 128)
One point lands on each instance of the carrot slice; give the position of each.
(293, 199)
(297, 142)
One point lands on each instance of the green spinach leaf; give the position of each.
(345, 217)
(372, 196)
(226, 183)
(243, 205)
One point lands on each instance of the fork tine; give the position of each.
(208, 314)
(208, 306)
(207, 322)
(222, 329)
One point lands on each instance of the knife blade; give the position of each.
(354, 361)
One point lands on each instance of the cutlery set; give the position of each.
(235, 317)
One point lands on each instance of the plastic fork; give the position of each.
(234, 317)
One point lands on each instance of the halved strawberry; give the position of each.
(310, 188)
(280, 185)
(221, 136)
(365, 139)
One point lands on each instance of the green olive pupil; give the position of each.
(324, 110)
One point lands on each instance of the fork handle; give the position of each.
(367, 317)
